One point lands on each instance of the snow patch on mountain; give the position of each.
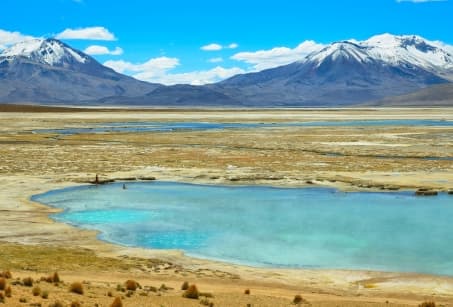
(393, 50)
(45, 51)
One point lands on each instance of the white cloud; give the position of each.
(102, 50)
(157, 70)
(8, 38)
(215, 60)
(194, 77)
(211, 47)
(218, 47)
(89, 33)
(264, 59)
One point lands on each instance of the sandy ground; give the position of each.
(349, 158)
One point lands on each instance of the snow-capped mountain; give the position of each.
(48, 70)
(392, 50)
(348, 72)
(410, 49)
(45, 51)
(342, 73)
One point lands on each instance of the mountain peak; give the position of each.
(345, 50)
(45, 51)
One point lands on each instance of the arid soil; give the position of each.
(349, 158)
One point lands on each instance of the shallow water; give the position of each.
(264, 226)
(201, 126)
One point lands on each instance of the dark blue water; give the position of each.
(201, 126)
(265, 226)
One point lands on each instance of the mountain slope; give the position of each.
(346, 73)
(49, 71)
(440, 95)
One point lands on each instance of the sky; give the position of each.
(197, 42)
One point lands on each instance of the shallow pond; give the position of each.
(265, 226)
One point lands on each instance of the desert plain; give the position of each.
(350, 158)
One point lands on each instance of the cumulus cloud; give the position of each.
(264, 59)
(218, 47)
(102, 50)
(215, 60)
(157, 70)
(211, 47)
(89, 33)
(195, 77)
(8, 38)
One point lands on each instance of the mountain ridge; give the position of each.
(342, 73)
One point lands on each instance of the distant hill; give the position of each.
(343, 73)
(436, 96)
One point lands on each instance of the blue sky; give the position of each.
(163, 41)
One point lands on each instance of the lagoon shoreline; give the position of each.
(27, 223)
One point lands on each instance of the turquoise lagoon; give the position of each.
(267, 226)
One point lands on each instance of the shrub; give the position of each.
(76, 287)
(23, 300)
(28, 282)
(191, 292)
(56, 277)
(131, 285)
(2, 297)
(117, 302)
(6, 274)
(45, 294)
(206, 302)
(110, 294)
(36, 291)
(427, 304)
(8, 291)
(2, 283)
(58, 304)
(185, 285)
(247, 291)
(76, 304)
(298, 299)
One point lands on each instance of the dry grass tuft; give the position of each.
(6, 274)
(2, 284)
(76, 287)
(247, 291)
(8, 291)
(36, 291)
(206, 302)
(298, 299)
(185, 285)
(117, 302)
(76, 304)
(45, 294)
(427, 304)
(191, 292)
(56, 277)
(28, 282)
(58, 304)
(131, 285)
(2, 297)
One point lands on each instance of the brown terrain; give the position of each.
(349, 158)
